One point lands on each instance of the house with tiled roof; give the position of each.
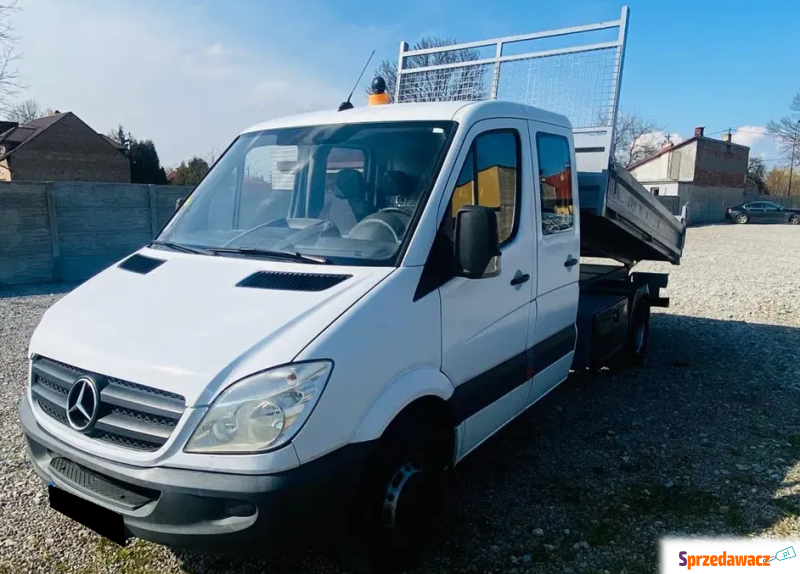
(59, 147)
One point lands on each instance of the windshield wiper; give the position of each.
(274, 254)
(181, 248)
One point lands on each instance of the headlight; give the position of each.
(262, 411)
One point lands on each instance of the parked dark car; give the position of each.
(763, 212)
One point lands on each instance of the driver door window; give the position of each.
(490, 178)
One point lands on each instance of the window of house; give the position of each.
(555, 183)
(490, 177)
(655, 191)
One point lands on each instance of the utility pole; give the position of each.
(791, 165)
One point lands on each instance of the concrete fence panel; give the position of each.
(26, 247)
(68, 231)
(98, 224)
(166, 196)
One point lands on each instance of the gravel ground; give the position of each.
(703, 439)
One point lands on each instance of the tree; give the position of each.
(463, 83)
(145, 165)
(122, 138)
(757, 172)
(636, 138)
(192, 172)
(142, 155)
(777, 181)
(786, 131)
(27, 111)
(9, 74)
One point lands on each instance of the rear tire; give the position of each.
(402, 499)
(742, 218)
(794, 219)
(638, 335)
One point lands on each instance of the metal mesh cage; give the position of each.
(464, 83)
(577, 79)
(579, 85)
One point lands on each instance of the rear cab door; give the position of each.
(552, 338)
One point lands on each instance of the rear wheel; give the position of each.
(638, 335)
(403, 495)
(741, 218)
(794, 219)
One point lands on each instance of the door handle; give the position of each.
(570, 262)
(520, 278)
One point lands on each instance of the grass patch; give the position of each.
(566, 493)
(133, 559)
(736, 520)
(787, 507)
(637, 568)
(679, 501)
(601, 534)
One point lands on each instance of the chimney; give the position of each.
(699, 131)
(726, 137)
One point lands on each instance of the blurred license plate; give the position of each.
(103, 521)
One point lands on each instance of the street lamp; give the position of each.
(791, 165)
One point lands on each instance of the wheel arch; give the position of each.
(421, 393)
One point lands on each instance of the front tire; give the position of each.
(794, 219)
(741, 219)
(402, 500)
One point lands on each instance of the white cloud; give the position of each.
(749, 135)
(658, 138)
(217, 50)
(162, 75)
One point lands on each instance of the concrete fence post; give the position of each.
(153, 210)
(52, 223)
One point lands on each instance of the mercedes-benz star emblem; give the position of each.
(83, 402)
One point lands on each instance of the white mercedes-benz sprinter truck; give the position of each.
(347, 305)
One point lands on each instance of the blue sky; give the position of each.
(191, 73)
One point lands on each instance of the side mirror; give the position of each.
(477, 243)
(178, 202)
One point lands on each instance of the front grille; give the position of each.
(122, 494)
(130, 415)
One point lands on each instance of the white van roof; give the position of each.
(468, 112)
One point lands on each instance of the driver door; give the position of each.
(485, 321)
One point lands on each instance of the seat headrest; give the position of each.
(395, 183)
(350, 184)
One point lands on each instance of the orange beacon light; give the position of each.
(378, 97)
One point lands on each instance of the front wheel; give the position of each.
(402, 499)
(741, 218)
(794, 219)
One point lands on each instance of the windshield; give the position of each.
(345, 193)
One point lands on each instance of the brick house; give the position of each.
(59, 147)
(697, 164)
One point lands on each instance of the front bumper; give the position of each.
(211, 511)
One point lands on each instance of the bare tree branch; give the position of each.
(9, 73)
(636, 138)
(26, 111)
(786, 131)
(437, 85)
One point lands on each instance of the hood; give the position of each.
(185, 326)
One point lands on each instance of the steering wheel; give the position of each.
(293, 238)
(249, 231)
(396, 210)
